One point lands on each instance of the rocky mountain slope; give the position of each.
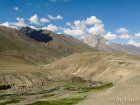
(38, 46)
(101, 44)
(58, 41)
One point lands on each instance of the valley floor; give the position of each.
(82, 79)
(64, 94)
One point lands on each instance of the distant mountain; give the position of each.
(95, 41)
(126, 48)
(101, 44)
(38, 46)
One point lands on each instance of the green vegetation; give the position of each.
(10, 101)
(64, 101)
(120, 63)
(104, 86)
(87, 88)
(48, 95)
(80, 91)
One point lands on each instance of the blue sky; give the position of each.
(118, 20)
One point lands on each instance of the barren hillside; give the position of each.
(121, 69)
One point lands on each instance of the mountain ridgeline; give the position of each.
(100, 43)
(38, 46)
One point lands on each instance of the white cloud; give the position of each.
(137, 34)
(93, 20)
(58, 17)
(79, 25)
(68, 23)
(33, 27)
(84, 28)
(110, 36)
(7, 24)
(38, 21)
(16, 8)
(122, 30)
(124, 36)
(51, 17)
(132, 42)
(20, 22)
(73, 32)
(123, 33)
(96, 29)
(50, 27)
(77, 22)
(44, 20)
(34, 19)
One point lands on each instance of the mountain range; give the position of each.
(40, 67)
(38, 46)
(100, 43)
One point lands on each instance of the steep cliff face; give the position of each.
(95, 41)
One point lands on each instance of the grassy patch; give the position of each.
(120, 63)
(102, 87)
(85, 88)
(64, 101)
(10, 101)
(48, 95)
